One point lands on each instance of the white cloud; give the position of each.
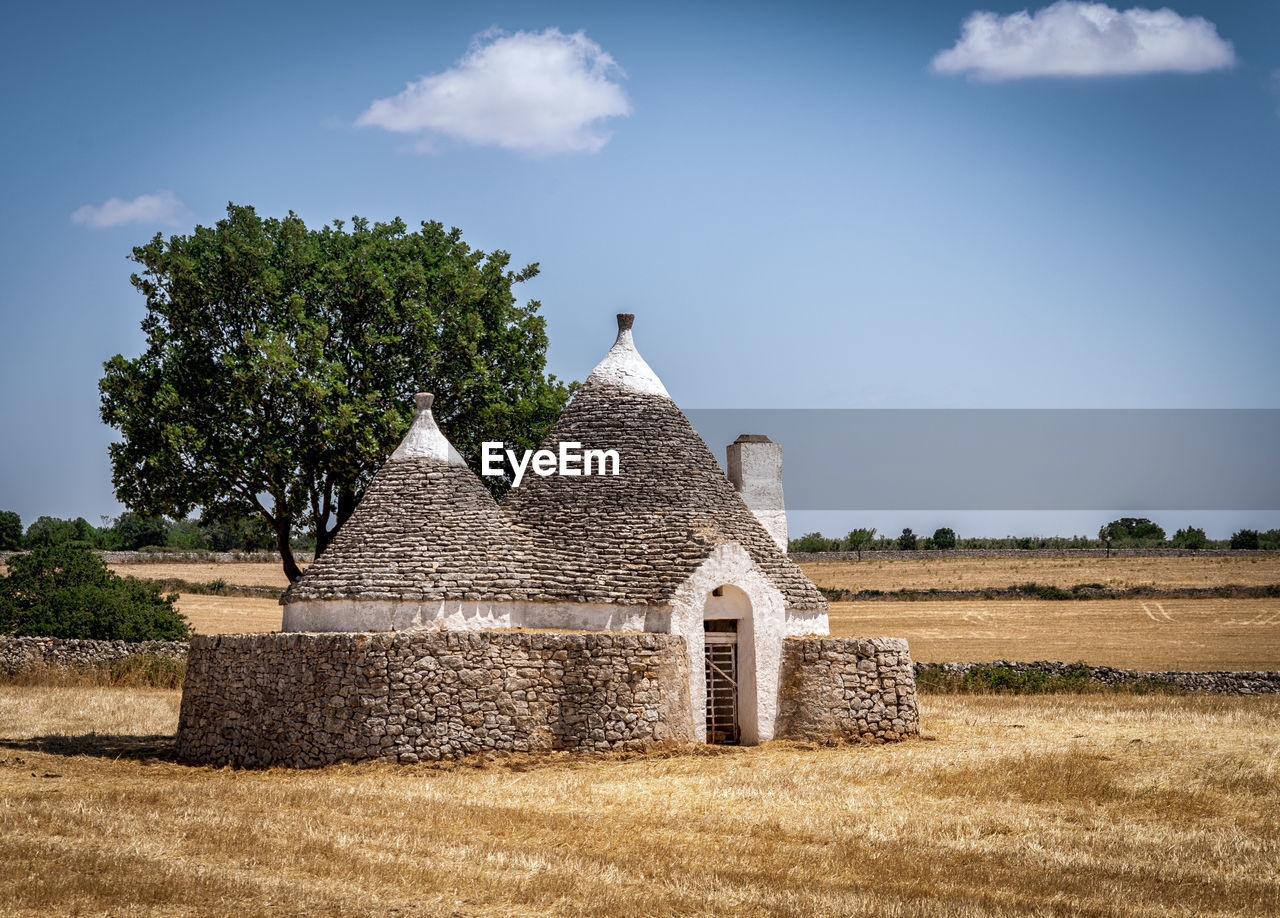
(1071, 39)
(160, 207)
(536, 92)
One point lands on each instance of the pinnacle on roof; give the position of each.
(623, 366)
(424, 439)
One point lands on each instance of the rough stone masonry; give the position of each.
(307, 700)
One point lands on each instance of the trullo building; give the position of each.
(654, 563)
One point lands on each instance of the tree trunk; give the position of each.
(291, 569)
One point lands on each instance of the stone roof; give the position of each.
(636, 537)
(426, 529)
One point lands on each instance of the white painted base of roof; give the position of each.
(459, 615)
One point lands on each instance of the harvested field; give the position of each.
(1199, 634)
(984, 573)
(230, 614)
(237, 573)
(1099, 805)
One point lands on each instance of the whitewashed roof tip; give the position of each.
(623, 366)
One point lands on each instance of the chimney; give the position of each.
(755, 468)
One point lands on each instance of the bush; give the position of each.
(1245, 538)
(67, 592)
(943, 539)
(907, 541)
(1191, 538)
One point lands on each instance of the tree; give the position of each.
(1245, 538)
(907, 541)
(49, 530)
(812, 542)
(10, 531)
(1133, 529)
(858, 540)
(281, 364)
(1191, 538)
(132, 531)
(943, 539)
(66, 591)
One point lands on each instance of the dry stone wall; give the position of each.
(935, 554)
(844, 688)
(311, 699)
(1213, 682)
(20, 654)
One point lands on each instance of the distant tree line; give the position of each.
(135, 532)
(1128, 532)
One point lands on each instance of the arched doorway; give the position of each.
(728, 663)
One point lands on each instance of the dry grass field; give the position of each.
(1094, 805)
(1192, 634)
(994, 573)
(230, 614)
(238, 573)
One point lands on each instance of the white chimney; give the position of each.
(755, 468)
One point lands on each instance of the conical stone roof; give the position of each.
(637, 536)
(425, 529)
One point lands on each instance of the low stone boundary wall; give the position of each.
(1220, 682)
(311, 699)
(19, 654)
(185, 557)
(925, 555)
(844, 688)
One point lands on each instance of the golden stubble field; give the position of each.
(1095, 805)
(1196, 634)
(992, 573)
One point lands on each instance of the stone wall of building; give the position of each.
(21, 654)
(312, 699)
(844, 688)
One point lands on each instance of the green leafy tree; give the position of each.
(1133, 529)
(49, 530)
(281, 364)
(10, 531)
(66, 591)
(908, 540)
(1245, 538)
(813, 542)
(858, 540)
(132, 531)
(943, 539)
(1192, 538)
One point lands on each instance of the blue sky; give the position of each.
(802, 208)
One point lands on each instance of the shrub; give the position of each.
(907, 541)
(1190, 538)
(67, 592)
(1245, 538)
